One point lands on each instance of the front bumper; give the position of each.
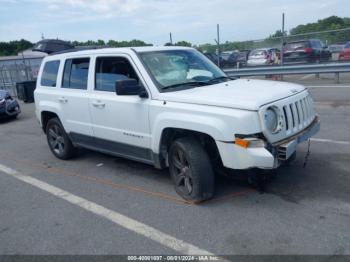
(269, 157)
(286, 148)
(9, 109)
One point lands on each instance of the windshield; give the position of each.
(180, 68)
(297, 45)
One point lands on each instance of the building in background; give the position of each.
(23, 67)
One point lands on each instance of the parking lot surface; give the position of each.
(98, 204)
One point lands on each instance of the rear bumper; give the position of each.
(258, 62)
(269, 157)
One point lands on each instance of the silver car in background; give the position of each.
(263, 56)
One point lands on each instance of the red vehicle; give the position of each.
(345, 54)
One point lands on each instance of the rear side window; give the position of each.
(111, 69)
(49, 75)
(75, 73)
(347, 45)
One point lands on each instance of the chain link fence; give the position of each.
(17, 69)
(330, 37)
(333, 41)
(25, 68)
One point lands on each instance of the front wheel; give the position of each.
(191, 170)
(58, 140)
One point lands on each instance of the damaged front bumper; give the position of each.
(269, 156)
(285, 149)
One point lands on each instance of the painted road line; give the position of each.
(113, 216)
(330, 141)
(328, 86)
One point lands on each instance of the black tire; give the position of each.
(60, 144)
(191, 170)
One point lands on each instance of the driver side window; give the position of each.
(111, 69)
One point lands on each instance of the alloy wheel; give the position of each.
(182, 171)
(56, 139)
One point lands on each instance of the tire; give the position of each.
(60, 144)
(191, 170)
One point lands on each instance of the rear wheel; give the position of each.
(191, 170)
(58, 140)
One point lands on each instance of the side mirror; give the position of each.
(129, 87)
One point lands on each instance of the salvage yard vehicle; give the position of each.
(170, 107)
(9, 107)
(306, 51)
(263, 56)
(345, 53)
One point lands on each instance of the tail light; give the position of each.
(308, 50)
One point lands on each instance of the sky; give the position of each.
(152, 20)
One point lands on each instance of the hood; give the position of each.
(245, 94)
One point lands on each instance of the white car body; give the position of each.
(257, 59)
(222, 111)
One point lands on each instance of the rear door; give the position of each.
(120, 123)
(74, 98)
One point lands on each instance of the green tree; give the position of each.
(14, 47)
(329, 23)
(183, 43)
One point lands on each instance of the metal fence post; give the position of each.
(2, 77)
(337, 78)
(282, 44)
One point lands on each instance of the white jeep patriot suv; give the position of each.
(172, 108)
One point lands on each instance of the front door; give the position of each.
(120, 123)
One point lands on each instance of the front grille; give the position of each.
(298, 115)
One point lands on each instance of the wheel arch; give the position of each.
(170, 134)
(45, 117)
(46, 110)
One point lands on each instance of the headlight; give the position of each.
(272, 119)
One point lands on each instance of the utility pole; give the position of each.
(282, 41)
(171, 39)
(218, 42)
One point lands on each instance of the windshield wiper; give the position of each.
(194, 83)
(218, 79)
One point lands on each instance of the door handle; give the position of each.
(98, 104)
(63, 100)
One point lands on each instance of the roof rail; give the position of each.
(55, 46)
(79, 48)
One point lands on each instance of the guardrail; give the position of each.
(335, 68)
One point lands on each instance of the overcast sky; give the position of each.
(152, 20)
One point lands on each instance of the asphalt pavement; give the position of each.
(98, 204)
